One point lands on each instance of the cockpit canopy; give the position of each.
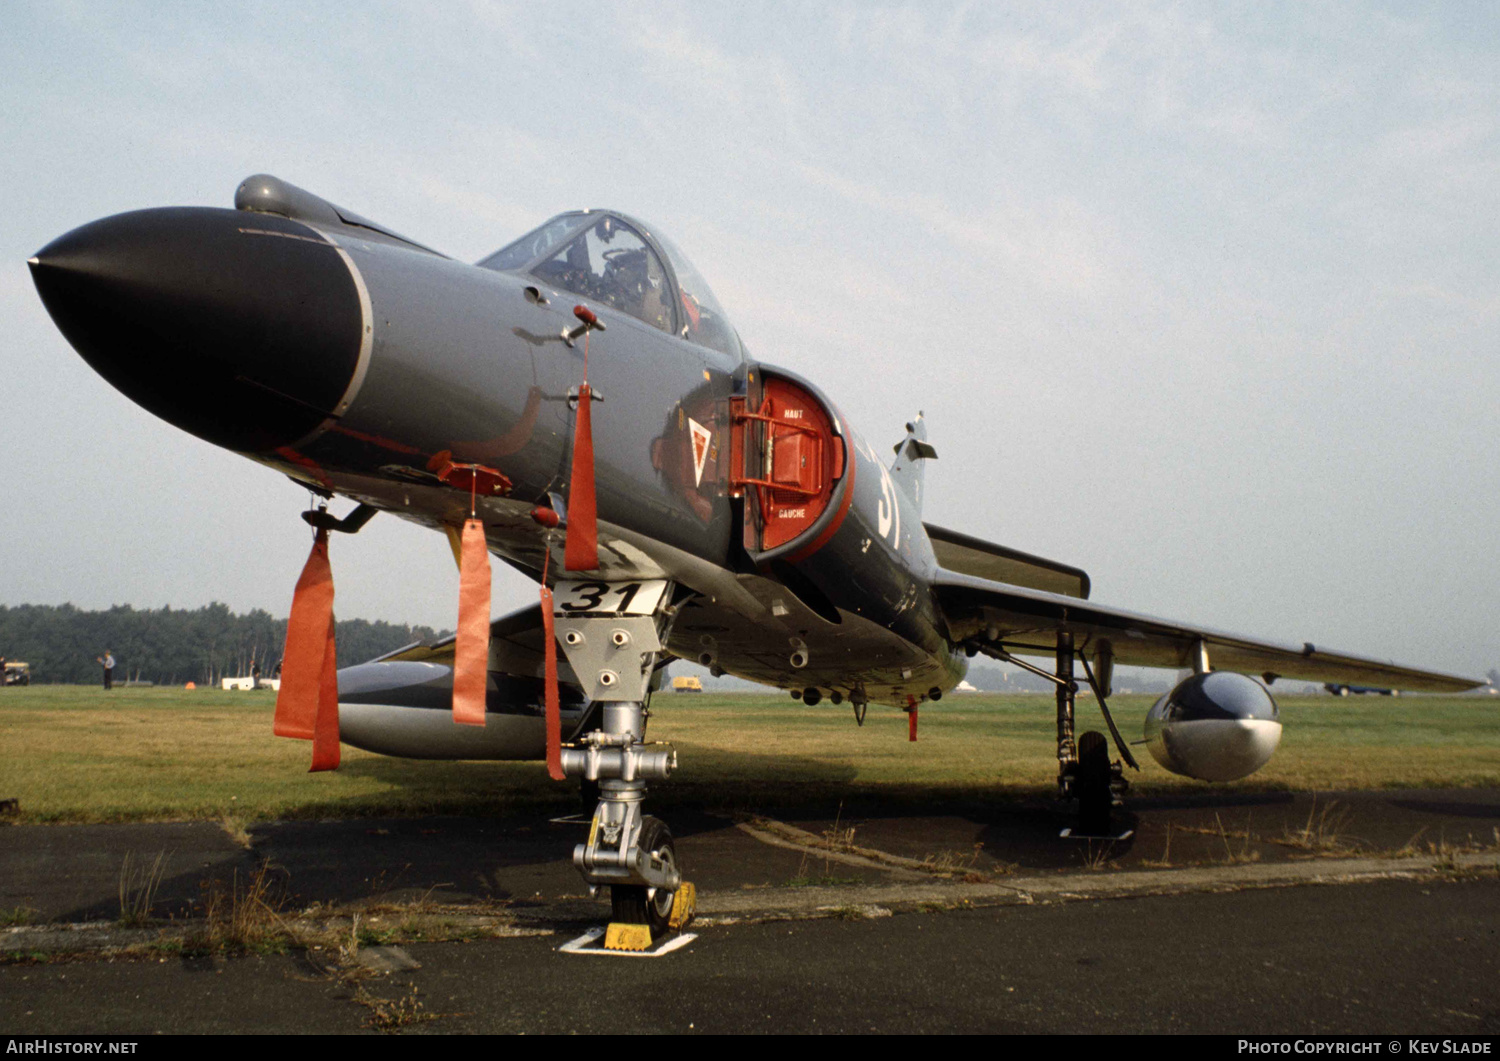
(617, 262)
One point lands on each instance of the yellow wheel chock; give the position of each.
(623, 936)
(684, 906)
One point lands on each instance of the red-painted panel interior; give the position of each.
(805, 460)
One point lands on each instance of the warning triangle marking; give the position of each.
(701, 437)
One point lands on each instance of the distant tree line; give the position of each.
(172, 646)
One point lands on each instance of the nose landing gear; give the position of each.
(631, 854)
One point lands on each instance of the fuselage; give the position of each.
(361, 364)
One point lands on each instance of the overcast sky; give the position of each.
(1204, 298)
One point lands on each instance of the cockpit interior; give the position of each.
(615, 261)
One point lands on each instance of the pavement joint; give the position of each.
(730, 907)
(763, 831)
(107, 938)
(780, 834)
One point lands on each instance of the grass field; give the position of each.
(75, 754)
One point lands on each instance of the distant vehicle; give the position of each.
(1359, 690)
(17, 674)
(248, 683)
(687, 685)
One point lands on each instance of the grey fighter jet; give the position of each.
(723, 510)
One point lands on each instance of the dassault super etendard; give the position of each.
(578, 405)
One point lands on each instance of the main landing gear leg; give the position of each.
(1084, 771)
(1067, 748)
(631, 854)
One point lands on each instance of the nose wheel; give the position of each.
(634, 904)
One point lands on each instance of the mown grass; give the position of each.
(76, 754)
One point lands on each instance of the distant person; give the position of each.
(255, 675)
(4, 678)
(107, 661)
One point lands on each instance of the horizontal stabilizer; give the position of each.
(1025, 622)
(982, 559)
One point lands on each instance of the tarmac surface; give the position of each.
(1349, 912)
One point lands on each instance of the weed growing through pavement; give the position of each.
(1413, 847)
(1322, 833)
(393, 1014)
(349, 948)
(245, 917)
(28, 957)
(837, 837)
(138, 885)
(1444, 856)
(804, 879)
(955, 863)
(1165, 862)
(1244, 854)
(235, 830)
(1099, 859)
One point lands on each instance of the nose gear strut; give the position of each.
(614, 656)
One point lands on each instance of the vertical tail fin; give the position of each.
(911, 452)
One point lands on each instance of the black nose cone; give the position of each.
(244, 329)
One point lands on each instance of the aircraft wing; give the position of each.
(516, 646)
(1028, 620)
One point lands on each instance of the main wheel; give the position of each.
(1093, 784)
(637, 905)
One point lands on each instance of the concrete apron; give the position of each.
(910, 891)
